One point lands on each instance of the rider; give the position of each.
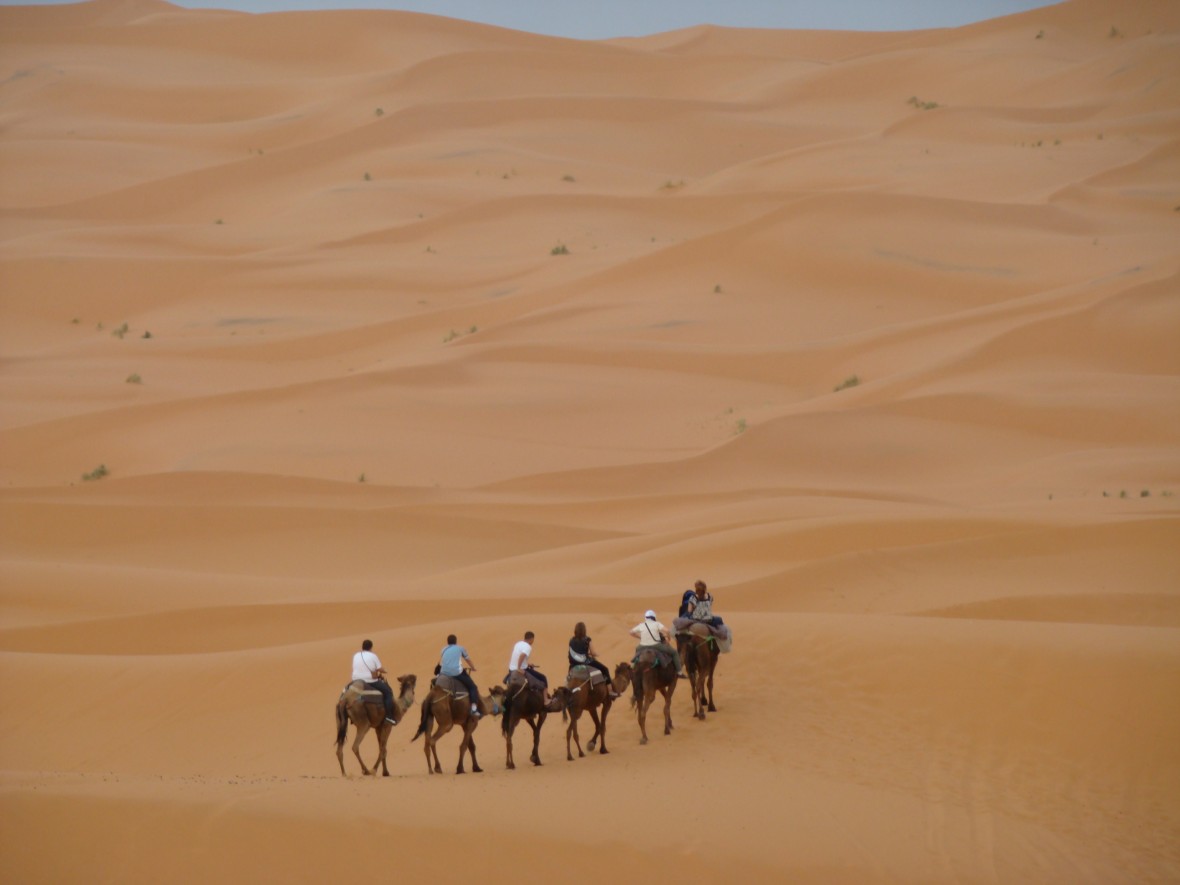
(450, 663)
(581, 651)
(519, 663)
(366, 667)
(700, 606)
(654, 634)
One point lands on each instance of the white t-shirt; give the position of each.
(520, 656)
(649, 632)
(365, 665)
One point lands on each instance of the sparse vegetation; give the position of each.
(379, 112)
(568, 178)
(452, 335)
(850, 381)
(219, 221)
(559, 249)
(360, 478)
(97, 473)
(922, 105)
(1040, 35)
(121, 331)
(671, 185)
(740, 427)
(1114, 32)
(146, 334)
(134, 378)
(368, 177)
(717, 289)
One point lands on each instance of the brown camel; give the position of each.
(578, 696)
(646, 678)
(521, 702)
(448, 710)
(699, 650)
(365, 708)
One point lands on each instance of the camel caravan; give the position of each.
(454, 702)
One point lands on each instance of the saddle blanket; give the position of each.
(369, 695)
(580, 673)
(723, 634)
(452, 685)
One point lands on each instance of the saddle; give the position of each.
(662, 660)
(358, 689)
(581, 673)
(451, 686)
(687, 626)
(518, 681)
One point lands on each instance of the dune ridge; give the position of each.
(320, 326)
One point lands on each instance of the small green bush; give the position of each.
(850, 381)
(559, 249)
(97, 473)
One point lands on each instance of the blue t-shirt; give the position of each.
(452, 660)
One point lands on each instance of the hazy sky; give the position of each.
(598, 19)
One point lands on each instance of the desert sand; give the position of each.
(325, 326)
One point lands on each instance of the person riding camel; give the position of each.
(450, 663)
(366, 667)
(581, 652)
(519, 662)
(652, 633)
(700, 606)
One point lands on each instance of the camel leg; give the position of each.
(510, 763)
(571, 731)
(362, 729)
(536, 757)
(644, 703)
(471, 747)
(668, 712)
(712, 667)
(382, 744)
(432, 746)
(599, 738)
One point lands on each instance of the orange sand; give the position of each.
(356, 394)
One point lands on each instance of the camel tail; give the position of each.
(341, 723)
(424, 725)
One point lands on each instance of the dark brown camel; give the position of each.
(521, 702)
(646, 678)
(366, 709)
(448, 710)
(699, 650)
(578, 697)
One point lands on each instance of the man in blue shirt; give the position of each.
(450, 663)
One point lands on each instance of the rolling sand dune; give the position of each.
(387, 325)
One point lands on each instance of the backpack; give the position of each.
(684, 602)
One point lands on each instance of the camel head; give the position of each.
(496, 699)
(406, 694)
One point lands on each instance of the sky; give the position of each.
(603, 19)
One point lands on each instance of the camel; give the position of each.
(365, 708)
(646, 678)
(578, 696)
(699, 650)
(448, 710)
(522, 703)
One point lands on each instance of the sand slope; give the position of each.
(390, 325)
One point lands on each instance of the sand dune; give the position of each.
(388, 325)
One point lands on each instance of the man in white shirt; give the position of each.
(651, 632)
(519, 662)
(366, 667)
